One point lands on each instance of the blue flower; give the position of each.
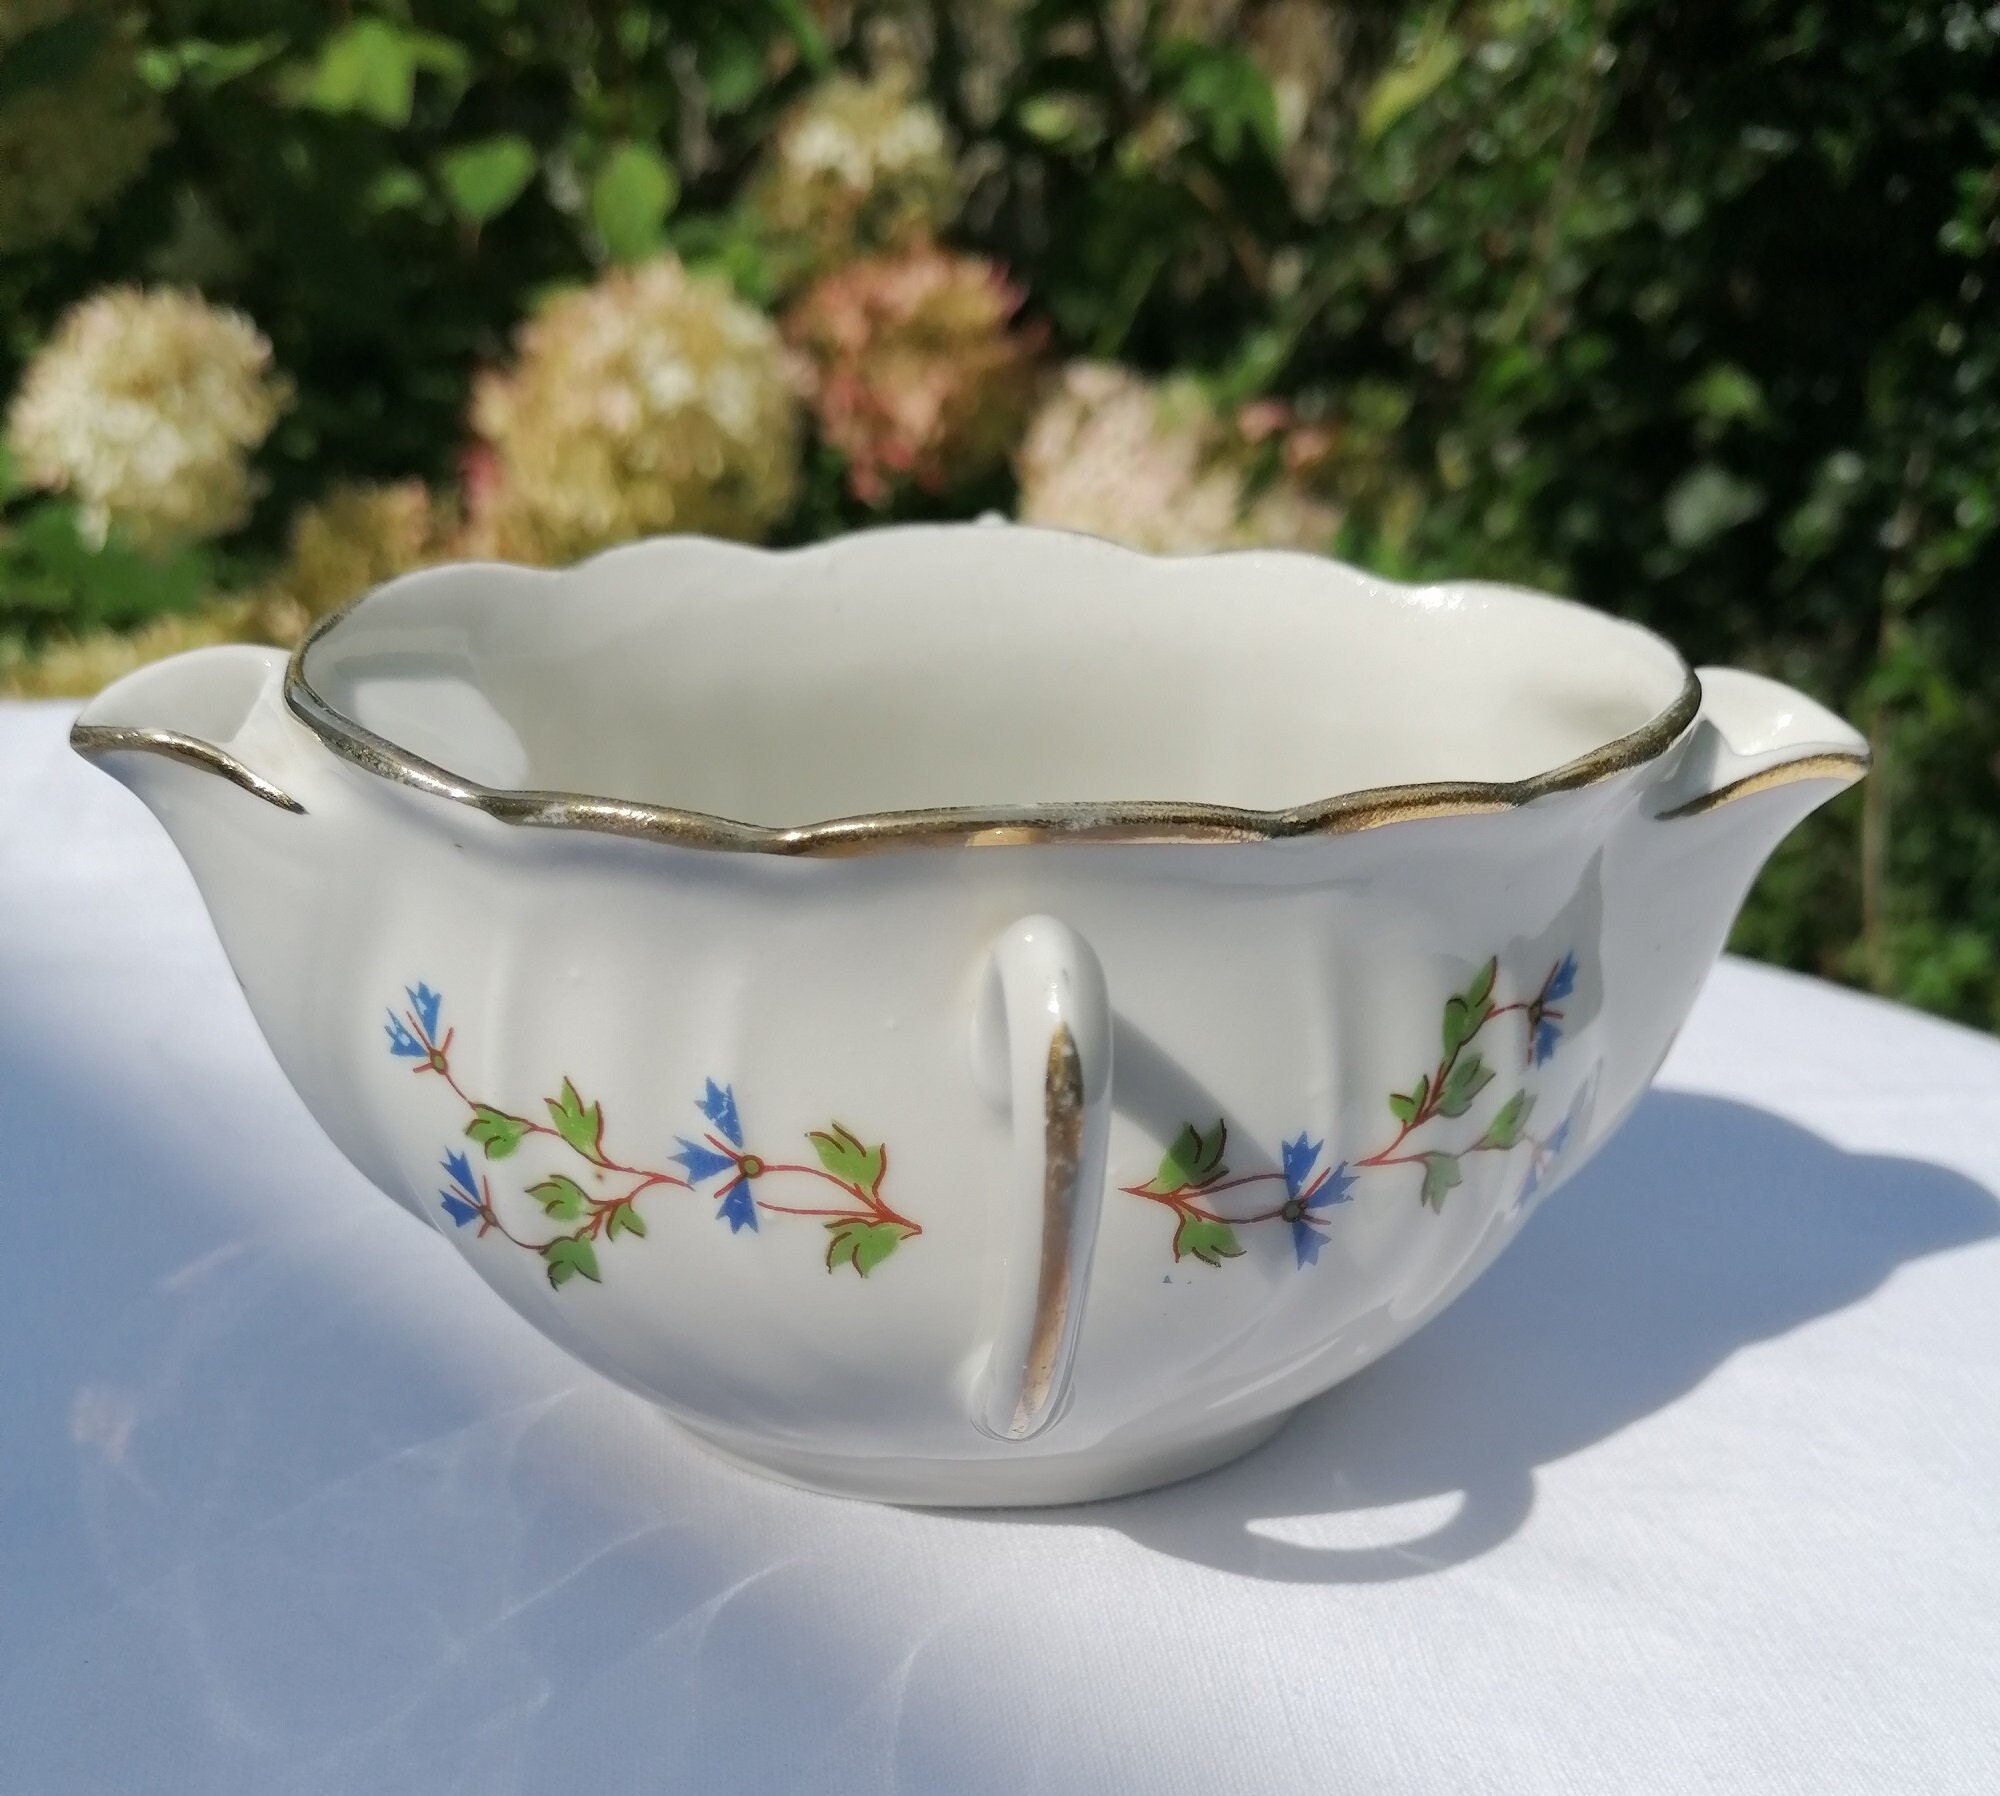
(425, 1003)
(463, 1204)
(739, 1208)
(1544, 1159)
(1333, 1186)
(701, 1162)
(402, 1043)
(1547, 1034)
(1561, 982)
(1299, 1158)
(718, 1104)
(1336, 1188)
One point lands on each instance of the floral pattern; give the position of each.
(863, 1228)
(1193, 1181)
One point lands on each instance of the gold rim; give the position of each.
(94, 739)
(1845, 765)
(1137, 821)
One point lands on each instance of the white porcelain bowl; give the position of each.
(969, 1014)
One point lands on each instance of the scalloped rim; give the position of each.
(1136, 821)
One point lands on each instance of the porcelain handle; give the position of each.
(1753, 734)
(1041, 1049)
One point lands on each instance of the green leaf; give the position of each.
(732, 71)
(1191, 1161)
(1410, 82)
(568, 1255)
(560, 1198)
(483, 179)
(1465, 1012)
(842, 1153)
(1465, 1082)
(634, 191)
(497, 1132)
(581, 1127)
(1441, 1173)
(862, 1245)
(1403, 1108)
(395, 190)
(370, 66)
(1208, 1241)
(206, 65)
(1725, 394)
(1222, 88)
(1458, 1025)
(623, 1220)
(1505, 1128)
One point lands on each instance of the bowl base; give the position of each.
(1038, 1481)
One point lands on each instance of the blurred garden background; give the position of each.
(1686, 309)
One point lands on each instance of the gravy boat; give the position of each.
(969, 1014)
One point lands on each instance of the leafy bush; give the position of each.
(1682, 308)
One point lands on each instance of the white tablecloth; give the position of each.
(1698, 1490)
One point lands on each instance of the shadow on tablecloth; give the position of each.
(1703, 1227)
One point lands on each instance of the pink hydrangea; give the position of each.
(922, 371)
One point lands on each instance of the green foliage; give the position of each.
(862, 1245)
(843, 1154)
(1192, 1160)
(1687, 311)
(497, 1132)
(1505, 1128)
(569, 1255)
(1466, 1080)
(1205, 1239)
(1465, 1013)
(561, 1198)
(580, 1124)
(630, 200)
(1441, 1174)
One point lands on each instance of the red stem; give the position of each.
(871, 1200)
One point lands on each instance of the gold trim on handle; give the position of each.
(1062, 1164)
(92, 739)
(1137, 821)
(1847, 765)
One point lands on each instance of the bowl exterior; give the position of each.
(711, 1120)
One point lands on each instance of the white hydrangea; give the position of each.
(856, 168)
(1154, 466)
(146, 405)
(655, 400)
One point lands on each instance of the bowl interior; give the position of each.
(987, 667)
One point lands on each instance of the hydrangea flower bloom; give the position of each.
(921, 372)
(1155, 466)
(145, 405)
(654, 400)
(857, 167)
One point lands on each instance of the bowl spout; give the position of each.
(1759, 760)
